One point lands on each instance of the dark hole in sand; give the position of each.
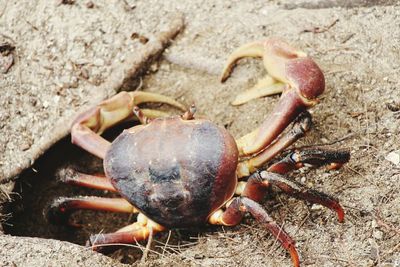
(38, 187)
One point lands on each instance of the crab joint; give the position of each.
(189, 115)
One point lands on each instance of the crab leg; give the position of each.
(88, 126)
(61, 209)
(303, 82)
(314, 156)
(235, 212)
(301, 125)
(73, 177)
(130, 234)
(257, 183)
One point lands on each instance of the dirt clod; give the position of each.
(90, 4)
(6, 57)
(65, 2)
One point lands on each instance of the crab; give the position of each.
(182, 171)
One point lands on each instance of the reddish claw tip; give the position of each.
(295, 256)
(340, 213)
(335, 206)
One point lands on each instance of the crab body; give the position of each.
(175, 171)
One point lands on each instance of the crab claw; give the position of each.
(87, 127)
(291, 72)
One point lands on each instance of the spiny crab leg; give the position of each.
(86, 129)
(257, 184)
(235, 211)
(303, 82)
(291, 188)
(314, 156)
(299, 191)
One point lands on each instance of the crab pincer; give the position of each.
(290, 72)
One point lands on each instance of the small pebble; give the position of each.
(154, 67)
(377, 234)
(393, 157)
(65, 2)
(324, 140)
(85, 73)
(74, 82)
(143, 39)
(316, 207)
(25, 145)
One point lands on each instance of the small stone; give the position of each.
(25, 145)
(370, 262)
(85, 73)
(143, 39)
(65, 2)
(134, 35)
(74, 82)
(393, 157)
(6, 62)
(374, 224)
(154, 67)
(374, 253)
(316, 207)
(56, 99)
(377, 234)
(33, 101)
(90, 4)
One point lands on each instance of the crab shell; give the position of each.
(175, 171)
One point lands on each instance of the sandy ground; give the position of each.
(358, 48)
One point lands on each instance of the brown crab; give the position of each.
(178, 171)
